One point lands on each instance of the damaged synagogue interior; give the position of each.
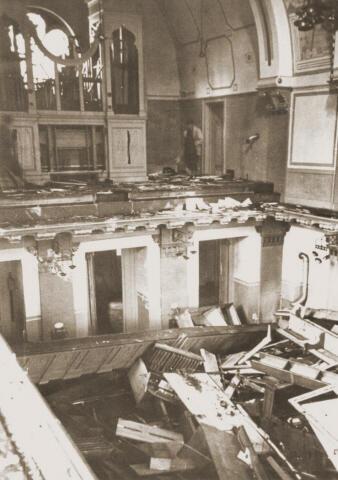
(168, 239)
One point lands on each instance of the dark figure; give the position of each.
(193, 139)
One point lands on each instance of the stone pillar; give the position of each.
(273, 234)
(247, 268)
(177, 270)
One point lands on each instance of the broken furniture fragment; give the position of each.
(183, 319)
(139, 378)
(142, 382)
(231, 315)
(176, 465)
(272, 385)
(211, 365)
(322, 314)
(293, 372)
(263, 343)
(213, 408)
(313, 338)
(321, 413)
(152, 440)
(162, 446)
(166, 358)
(254, 459)
(214, 317)
(224, 449)
(230, 390)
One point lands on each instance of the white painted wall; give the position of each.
(323, 278)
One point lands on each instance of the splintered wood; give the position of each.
(166, 358)
(211, 406)
(162, 442)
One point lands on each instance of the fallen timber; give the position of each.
(199, 404)
(72, 358)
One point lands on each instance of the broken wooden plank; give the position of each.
(184, 320)
(120, 351)
(196, 449)
(156, 442)
(139, 378)
(262, 344)
(211, 406)
(232, 359)
(283, 475)
(211, 365)
(224, 449)
(316, 339)
(322, 417)
(322, 314)
(272, 385)
(46, 449)
(231, 388)
(214, 317)
(255, 462)
(166, 358)
(177, 465)
(231, 313)
(160, 464)
(292, 372)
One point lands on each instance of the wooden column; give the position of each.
(30, 80)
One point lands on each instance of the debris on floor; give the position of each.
(267, 413)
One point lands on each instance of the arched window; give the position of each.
(60, 41)
(125, 80)
(13, 67)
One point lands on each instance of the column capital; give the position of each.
(272, 232)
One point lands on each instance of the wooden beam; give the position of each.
(292, 372)
(154, 441)
(39, 436)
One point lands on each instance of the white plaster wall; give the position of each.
(231, 58)
(323, 278)
(248, 259)
(160, 62)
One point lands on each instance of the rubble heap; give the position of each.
(267, 413)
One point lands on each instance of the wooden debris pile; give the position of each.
(267, 413)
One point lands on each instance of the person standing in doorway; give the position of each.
(193, 140)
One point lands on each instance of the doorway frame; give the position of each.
(232, 234)
(81, 292)
(206, 161)
(31, 290)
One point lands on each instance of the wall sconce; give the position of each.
(274, 101)
(326, 247)
(252, 139)
(178, 242)
(53, 259)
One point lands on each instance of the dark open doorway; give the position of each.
(12, 310)
(215, 272)
(105, 287)
(214, 160)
